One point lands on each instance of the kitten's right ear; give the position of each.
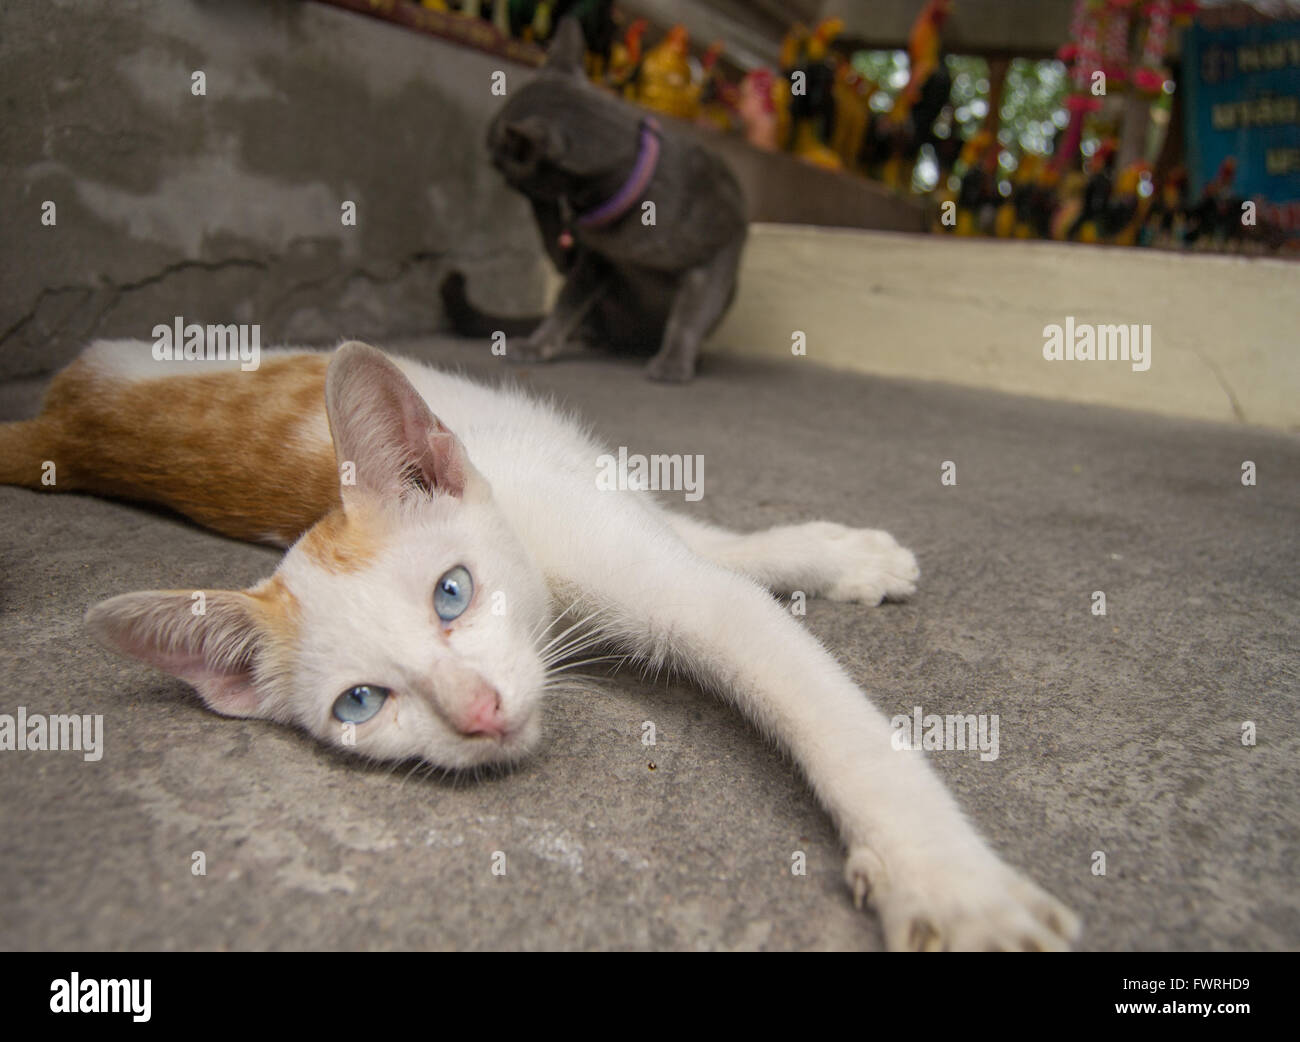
(383, 428)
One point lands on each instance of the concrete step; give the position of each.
(1225, 330)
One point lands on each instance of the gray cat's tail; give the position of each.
(467, 320)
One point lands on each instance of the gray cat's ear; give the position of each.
(385, 437)
(211, 639)
(568, 48)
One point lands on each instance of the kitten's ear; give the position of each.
(209, 641)
(568, 48)
(383, 428)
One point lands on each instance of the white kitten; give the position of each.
(422, 616)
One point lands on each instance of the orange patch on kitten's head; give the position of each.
(345, 540)
(277, 606)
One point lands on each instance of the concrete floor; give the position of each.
(1119, 734)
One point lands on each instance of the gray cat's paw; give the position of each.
(674, 369)
(530, 349)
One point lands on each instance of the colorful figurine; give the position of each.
(1090, 223)
(1216, 215)
(852, 113)
(792, 45)
(625, 60)
(1167, 220)
(1041, 203)
(1012, 219)
(978, 198)
(757, 109)
(718, 98)
(910, 121)
(665, 83)
(1129, 206)
(812, 100)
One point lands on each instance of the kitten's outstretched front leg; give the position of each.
(911, 851)
(820, 558)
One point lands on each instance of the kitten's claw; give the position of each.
(864, 871)
(977, 905)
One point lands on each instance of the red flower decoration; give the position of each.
(1149, 81)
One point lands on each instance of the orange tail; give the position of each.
(25, 448)
(240, 453)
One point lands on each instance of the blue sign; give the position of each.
(1243, 100)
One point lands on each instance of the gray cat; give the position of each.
(591, 165)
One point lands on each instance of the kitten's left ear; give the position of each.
(382, 426)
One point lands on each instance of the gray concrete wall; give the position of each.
(226, 208)
(782, 189)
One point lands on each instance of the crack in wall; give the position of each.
(115, 292)
(404, 265)
(118, 290)
(1237, 410)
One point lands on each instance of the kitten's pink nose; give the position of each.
(482, 714)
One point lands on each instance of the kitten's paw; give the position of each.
(961, 906)
(870, 566)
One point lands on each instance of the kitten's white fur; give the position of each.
(530, 523)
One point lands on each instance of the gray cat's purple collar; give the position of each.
(647, 158)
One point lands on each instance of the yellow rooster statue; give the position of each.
(665, 83)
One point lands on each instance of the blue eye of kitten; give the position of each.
(358, 704)
(453, 593)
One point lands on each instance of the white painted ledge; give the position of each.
(1225, 330)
